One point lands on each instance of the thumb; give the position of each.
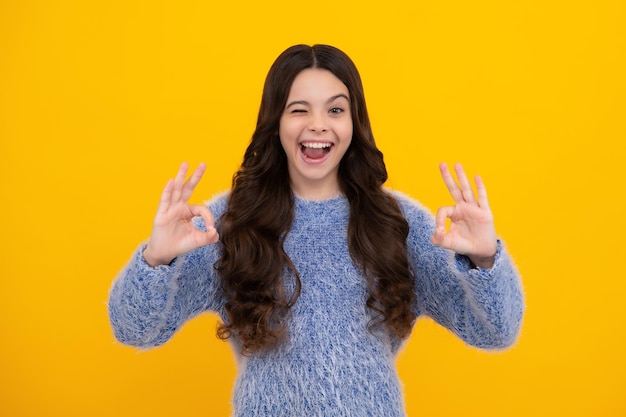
(211, 235)
(207, 238)
(437, 237)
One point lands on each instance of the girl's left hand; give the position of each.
(472, 231)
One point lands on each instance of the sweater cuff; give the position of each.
(141, 302)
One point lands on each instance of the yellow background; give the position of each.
(100, 101)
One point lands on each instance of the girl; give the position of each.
(317, 272)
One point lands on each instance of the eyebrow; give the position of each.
(330, 100)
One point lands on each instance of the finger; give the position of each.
(179, 181)
(440, 236)
(191, 183)
(482, 192)
(452, 186)
(440, 226)
(164, 204)
(442, 217)
(211, 235)
(466, 188)
(204, 212)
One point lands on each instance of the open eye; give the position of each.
(336, 110)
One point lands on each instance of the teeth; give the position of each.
(316, 145)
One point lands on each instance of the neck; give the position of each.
(316, 192)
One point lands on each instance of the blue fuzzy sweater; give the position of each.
(331, 364)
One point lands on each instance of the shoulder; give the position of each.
(414, 211)
(218, 203)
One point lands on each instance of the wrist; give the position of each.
(152, 260)
(483, 263)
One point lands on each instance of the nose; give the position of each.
(317, 123)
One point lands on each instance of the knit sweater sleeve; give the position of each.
(148, 305)
(484, 307)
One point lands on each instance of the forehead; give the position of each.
(316, 82)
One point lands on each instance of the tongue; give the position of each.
(314, 153)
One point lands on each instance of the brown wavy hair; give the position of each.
(260, 212)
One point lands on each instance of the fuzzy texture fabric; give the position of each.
(330, 364)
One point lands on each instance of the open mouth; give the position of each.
(315, 150)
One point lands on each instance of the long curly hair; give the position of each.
(260, 212)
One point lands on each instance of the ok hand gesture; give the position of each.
(173, 233)
(472, 232)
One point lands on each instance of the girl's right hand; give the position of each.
(173, 233)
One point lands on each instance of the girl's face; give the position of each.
(315, 132)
